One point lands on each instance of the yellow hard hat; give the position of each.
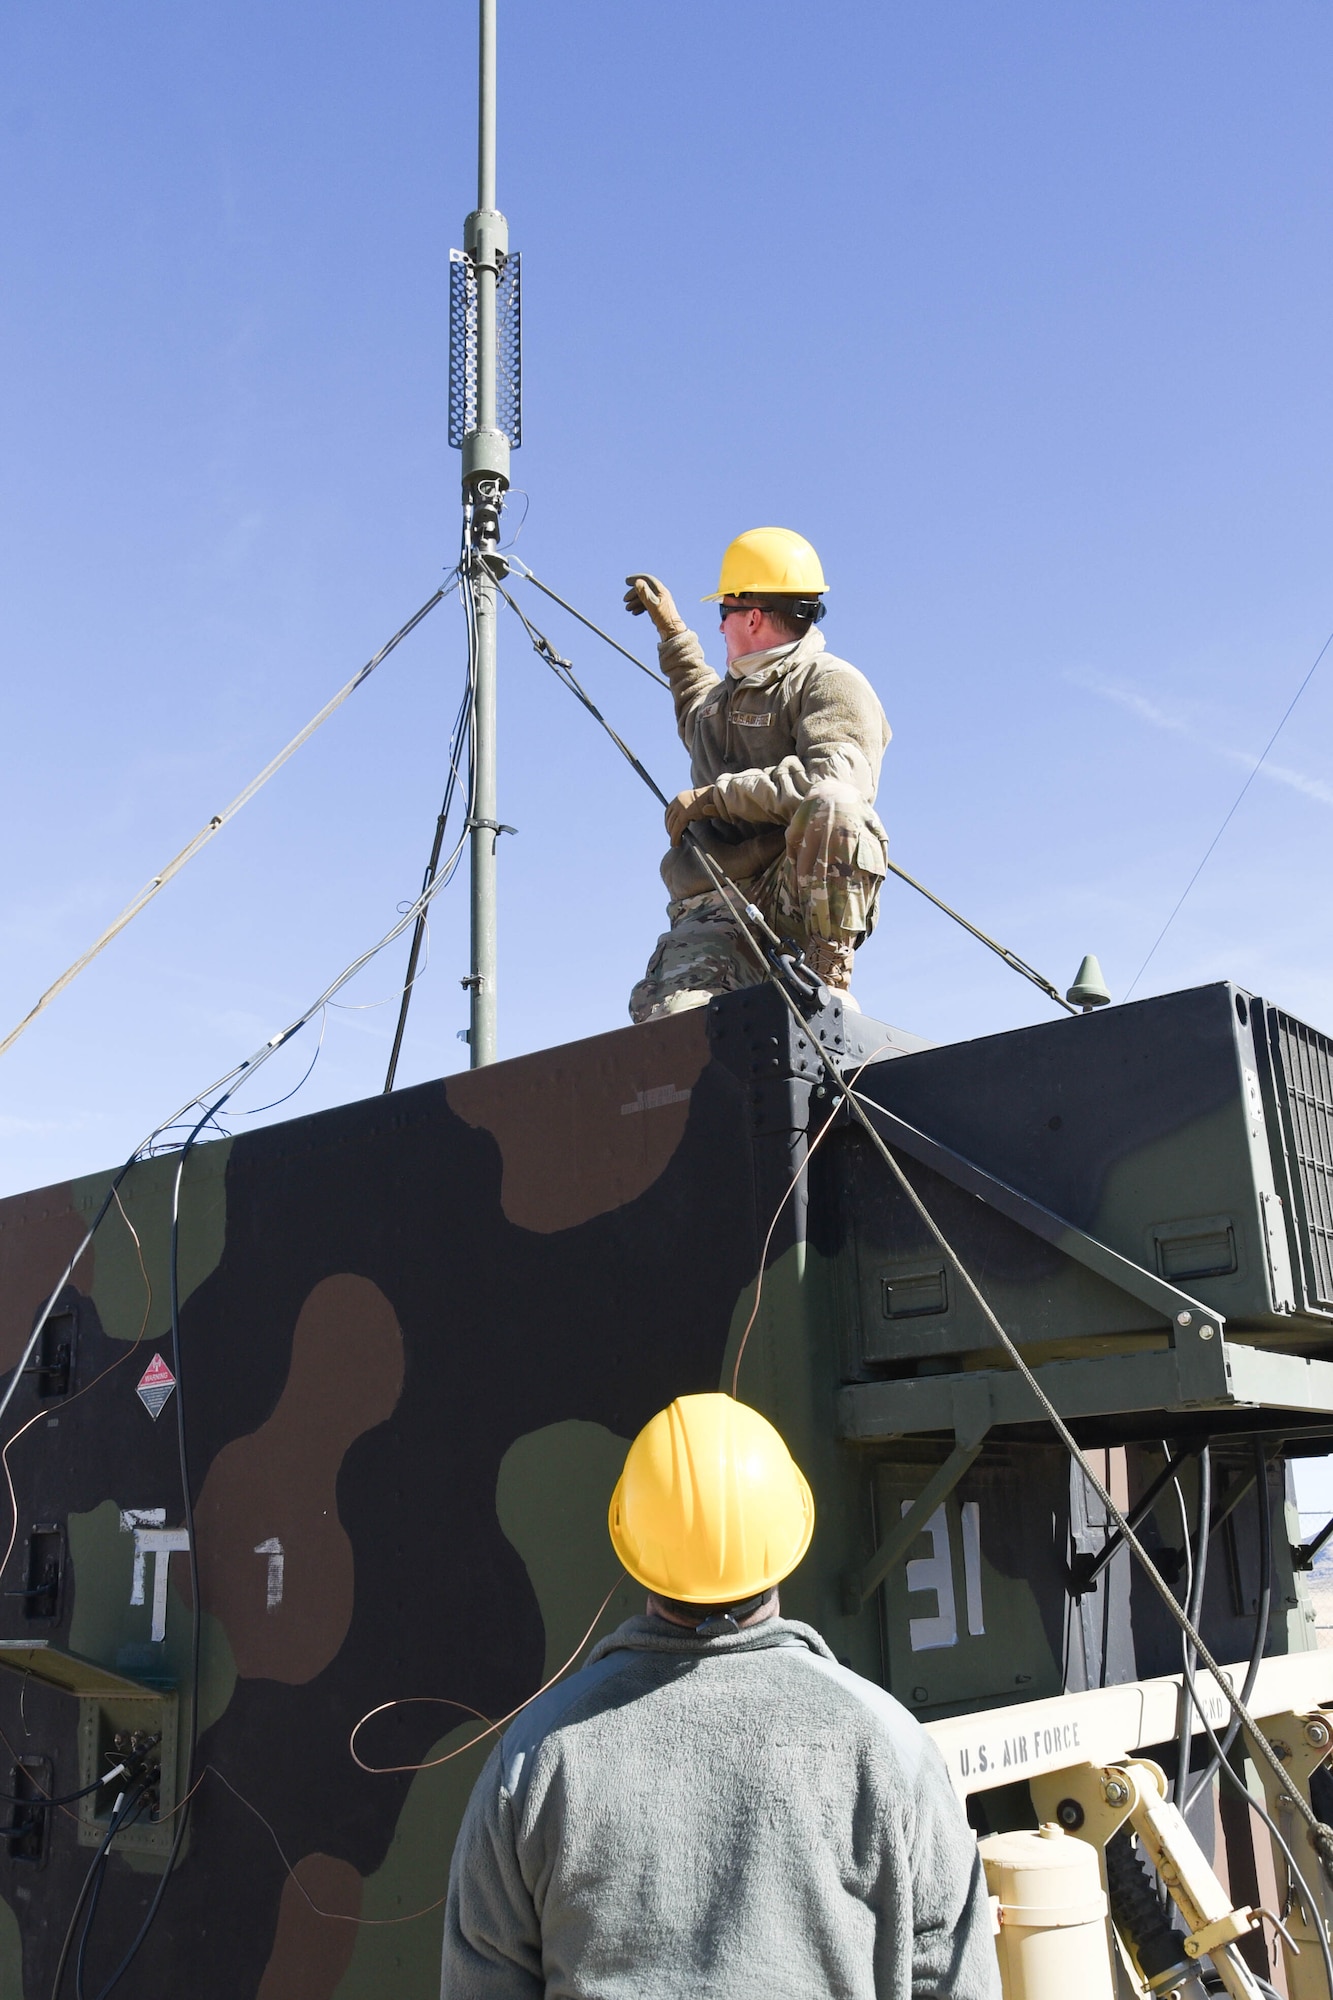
(772, 559)
(711, 1507)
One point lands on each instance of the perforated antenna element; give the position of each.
(463, 347)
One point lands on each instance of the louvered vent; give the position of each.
(1305, 1063)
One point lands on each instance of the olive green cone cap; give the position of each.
(1089, 989)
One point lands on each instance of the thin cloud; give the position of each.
(1178, 724)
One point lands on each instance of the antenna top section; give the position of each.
(485, 323)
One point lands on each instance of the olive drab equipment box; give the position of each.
(417, 1334)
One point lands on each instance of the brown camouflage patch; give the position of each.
(272, 1497)
(312, 1952)
(584, 1129)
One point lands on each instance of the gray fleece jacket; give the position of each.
(737, 1816)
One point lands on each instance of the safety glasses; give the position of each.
(725, 610)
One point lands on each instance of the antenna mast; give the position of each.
(484, 386)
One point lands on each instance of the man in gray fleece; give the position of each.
(713, 1806)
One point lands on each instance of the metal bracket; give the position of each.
(492, 826)
(1303, 1555)
(36, 1660)
(1085, 1567)
(1249, 1382)
(1091, 1800)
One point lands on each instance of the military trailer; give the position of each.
(415, 1335)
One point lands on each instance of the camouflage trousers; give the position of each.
(824, 885)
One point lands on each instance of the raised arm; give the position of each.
(679, 653)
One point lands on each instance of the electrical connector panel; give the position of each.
(143, 1735)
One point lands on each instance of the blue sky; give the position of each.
(1021, 313)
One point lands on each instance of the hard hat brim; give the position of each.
(716, 596)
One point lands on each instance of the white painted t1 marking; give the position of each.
(272, 1548)
(161, 1544)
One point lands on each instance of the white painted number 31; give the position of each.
(935, 1573)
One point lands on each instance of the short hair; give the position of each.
(790, 612)
(700, 1613)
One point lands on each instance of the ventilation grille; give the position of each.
(1306, 1067)
(463, 348)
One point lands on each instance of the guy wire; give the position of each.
(525, 572)
(461, 733)
(1313, 1906)
(790, 1190)
(1321, 1837)
(218, 821)
(227, 1085)
(256, 1110)
(233, 1076)
(260, 1056)
(1011, 958)
(564, 671)
(751, 920)
(1232, 810)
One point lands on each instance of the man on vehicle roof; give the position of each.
(713, 1805)
(784, 763)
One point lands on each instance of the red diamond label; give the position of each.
(155, 1386)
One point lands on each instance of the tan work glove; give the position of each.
(686, 806)
(648, 593)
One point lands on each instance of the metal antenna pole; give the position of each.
(485, 478)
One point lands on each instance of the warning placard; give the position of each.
(155, 1387)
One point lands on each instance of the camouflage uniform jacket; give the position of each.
(763, 742)
(736, 1815)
